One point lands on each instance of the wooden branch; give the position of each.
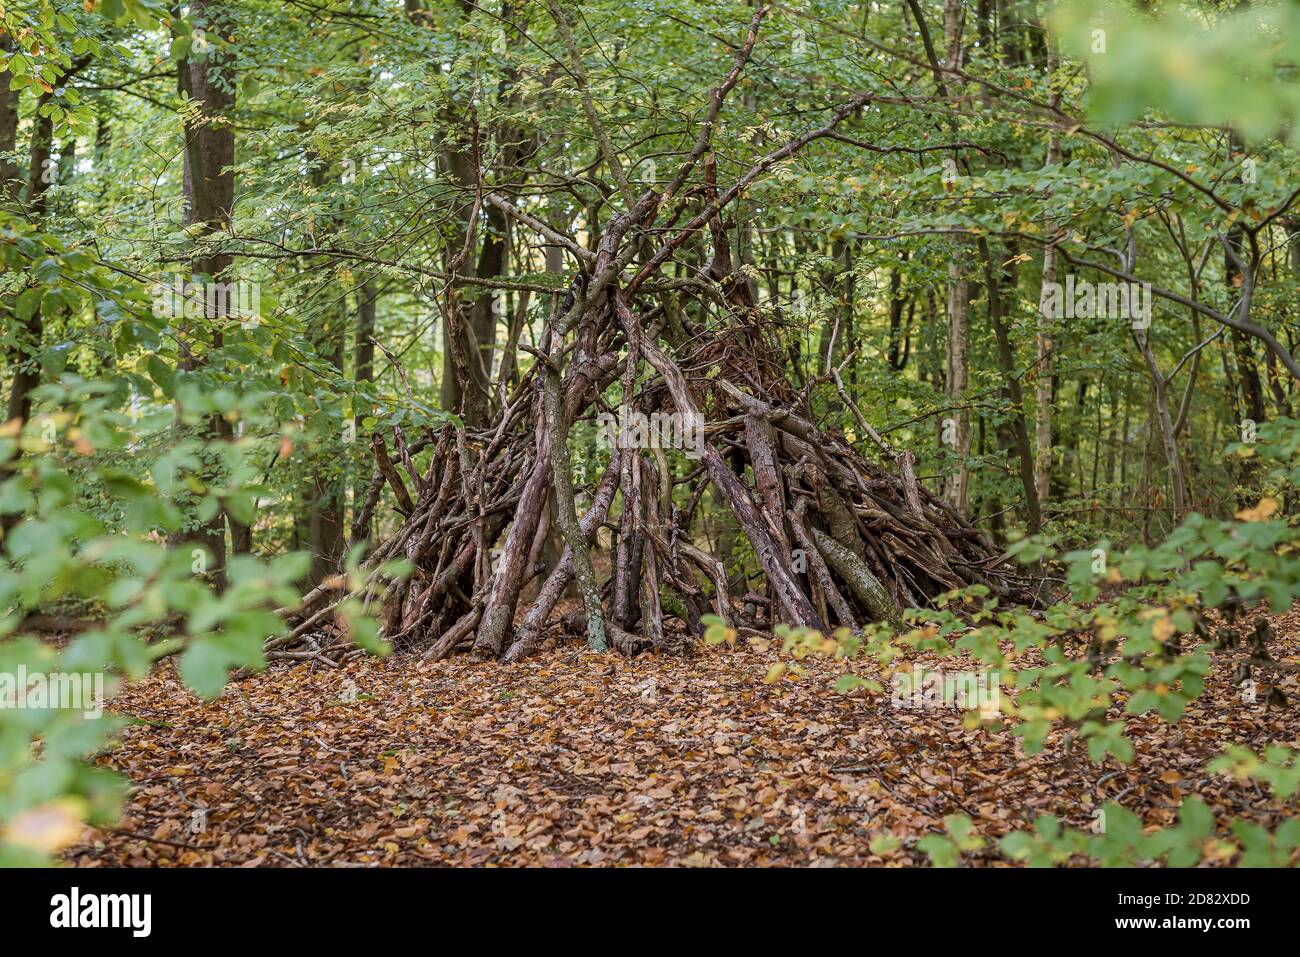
(404, 503)
(779, 575)
(818, 566)
(529, 633)
(581, 253)
(859, 578)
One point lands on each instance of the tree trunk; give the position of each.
(1043, 372)
(1242, 343)
(954, 19)
(363, 351)
(10, 182)
(1165, 425)
(1006, 358)
(25, 358)
(956, 433)
(206, 75)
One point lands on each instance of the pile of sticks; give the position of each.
(841, 540)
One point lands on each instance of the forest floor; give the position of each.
(574, 758)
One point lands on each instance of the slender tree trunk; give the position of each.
(896, 304)
(487, 308)
(1108, 465)
(363, 351)
(1164, 423)
(1044, 378)
(459, 347)
(10, 184)
(1242, 343)
(9, 180)
(837, 330)
(1043, 385)
(326, 479)
(1006, 359)
(328, 476)
(954, 20)
(209, 183)
(1125, 438)
(957, 431)
(25, 358)
(954, 427)
(463, 388)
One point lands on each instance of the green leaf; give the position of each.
(203, 667)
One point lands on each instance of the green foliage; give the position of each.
(1199, 66)
(1277, 767)
(97, 491)
(1119, 840)
(945, 850)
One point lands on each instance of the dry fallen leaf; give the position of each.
(566, 760)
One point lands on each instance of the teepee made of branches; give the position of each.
(842, 538)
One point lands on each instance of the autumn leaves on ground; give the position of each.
(574, 758)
